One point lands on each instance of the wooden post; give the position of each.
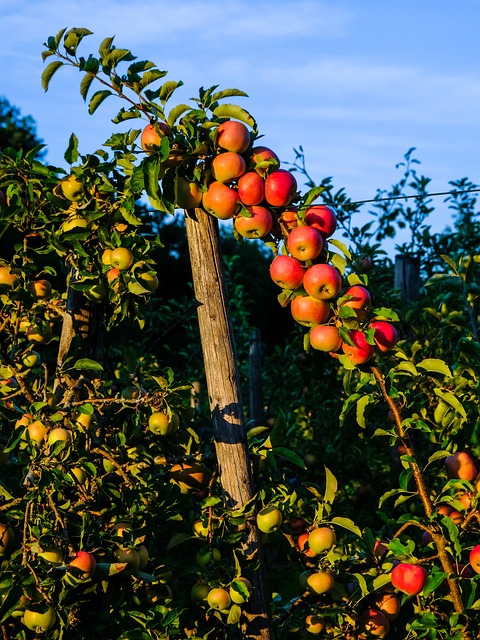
(407, 276)
(255, 382)
(216, 335)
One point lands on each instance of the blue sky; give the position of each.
(356, 83)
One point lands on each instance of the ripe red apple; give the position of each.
(304, 547)
(151, 136)
(83, 565)
(305, 243)
(323, 218)
(475, 558)
(309, 311)
(258, 225)
(360, 352)
(409, 578)
(233, 136)
(325, 337)
(221, 201)
(460, 465)
(289, 217)
(287, 272)
(264, 159)
(269, 519)
(321, 539)
(280, 188)
(228, 166)
(375, 623)
(385, 336)
(188, 194)
(251, 188)
(360, 301)
(322, 281)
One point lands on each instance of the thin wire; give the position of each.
(426, 195)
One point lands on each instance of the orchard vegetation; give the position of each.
(137, 500)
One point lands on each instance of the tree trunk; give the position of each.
(255, 382)
(222, 378)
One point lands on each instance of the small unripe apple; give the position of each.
(388, 604)
(163, 424)
(73, 189)
(59, 434)
(321, 539)
(188, 194)
(240, 590)
(39, 617)
(269, 519)
(7, 279)
(218, 599)
(151, 136)
(200, 592)
(320, 582)
(121, 258)
(314, 624)
(40, 289)
(375, 623)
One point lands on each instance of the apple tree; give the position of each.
(117, 499)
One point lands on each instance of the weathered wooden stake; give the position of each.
(223, 387)
(407, 276)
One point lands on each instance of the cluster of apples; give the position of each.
(318, 298)
(243, 183)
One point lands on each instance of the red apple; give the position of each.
(388, 604)
(385, 336)
(309, 311)
(289, 217)
(233, 136)
(251, 188)
(280, 188)
(320, 582)
(152, 135)
(83, 565)
(360, 352)
(323, 218)
(322, 281)
(409, 578)
(257, 226)
(375, 623)
(359, 301)
(304, 547)
(220, 201)
(325, 337)
(287, 272)
(460, 465)
(475, 558)
(264, 159)
(305, 243)
(228, 166)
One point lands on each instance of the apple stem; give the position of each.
(438, 538)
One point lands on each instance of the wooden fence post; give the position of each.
(216, 335)
(407, 276)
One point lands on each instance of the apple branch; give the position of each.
(438, 538)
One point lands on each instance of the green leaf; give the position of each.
(436, 365)
(348, 524)
(71, 154)
(49, 72)
(438, 455)
(228, 93)
(384, 313)
(339, 262)
(85, 364)
(406, 367)
(234, 111)
(85, 85)
(176, 539)
(331, 486)
(97, 99)
(176, 112)
(117, 55)
(167, 89)
(342, 246)
(432, 582)
(450, 399)
(310, 196)
(361, 406)
(234, 614)
(381, 581)
(105, 46)
(289, 455)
